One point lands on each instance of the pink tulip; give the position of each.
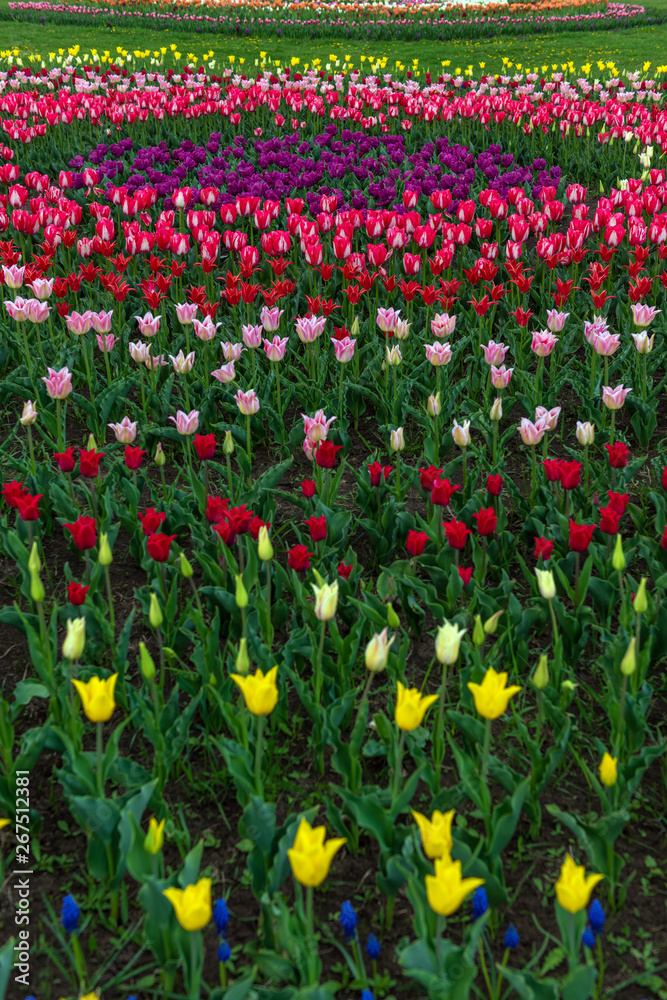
(316, 428)
(598, 325)
(252, 336)
(36, 311)
(606, 344)
(58, 384)
(438, 354)
(42, 288)
(643, 314)
(443, 325)
(207, 329)
(183, 362)
(556, 320)
(309, 328)
(139, 352)
(125, 431)
(225, 374)
(232, 352)
(101, 321)
(501, 377)
(186, 423)
(13, 276)
(643, 342)
(275, 349)
(18, 309)
(402, 330)
(148, 324)
(309, 449)
(79, 323)
(614, 399)
(186, 312)
(344, 349)
(153, 363)
(547, 418)
(543, 343)
(531, 434)
(387, 319)
(494, 354)
(270, 318)
(106, 341)
(247, 402)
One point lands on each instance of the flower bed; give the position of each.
(333, 530)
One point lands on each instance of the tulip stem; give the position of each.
(248, 449)
(611, 431)
(635, 676)
(100, 749)
(438, 940)
(59, 426)
(258, 754)
(318, 665)
(312, 946)
(111, 611)
(554, 623)
(439, 742)
(229, 478)
(269, 625)
(398, 767)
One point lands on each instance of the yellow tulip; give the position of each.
(311, 855)
(192, 904)
(608, 770)
(411, 707)
(259, 691)
(75, 640)
(574, 887)
(436, 833)
(155, 836)
(492, 696)
(97, 697)
(4, 823)
(446, 890)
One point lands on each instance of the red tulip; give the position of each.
(89, 462)
(257, 523)
(65, 459)
(456, 533)
(216, 509)
(28, 506)
(204, 445)
(152, 520)
(663, 480)
(344, 570)
(377, 471)
(570, 474)
(494, 485)
(465, 572)
(84, 532)
(239, 519)
(133, 457)
(580, 536)
(618, 455)
(308, 488)
(487, 520)
(12, 492)
(298, 558)
(415, 543)
(609, 519)
(76, 593)
(317, 527)
(427, 477)
(552, 469)
(618, 502)
(442, 492)
(663, 543)
(325, 456)
(544, 548)
(158, 546)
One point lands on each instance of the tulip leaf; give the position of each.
(504, 819)
(528, 986)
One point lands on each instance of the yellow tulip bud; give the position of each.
(34, 562)
(104, 557)
(478, 631)
(159, 458)
(640, 604)
(92, 443)
(228, 444)
(75, 640)
(393, 621)
(241, 593)
(36, 588)
(491, 624)
(608, 770)
(155, 612)
(186, 568)
(629, 661)
(242, 659)
(541, 674)
(155, 836)
(264, 547)
(618, 558)
(146, 663)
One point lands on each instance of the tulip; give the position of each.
(546, 584)
(316, 428)
(376, 654)
(58, 383)
(311, 854)
(155, 837)
(436, 833)
(393, 356)
(608, 770)
(75, 639)
(225, 374)
(461, 433)
(614, 399)
(97, 695)
(271, 320)
(448, 643)
(629, 661)
(501, 377)
(264, 547)
(397, 439)
(125, 431)
(643, 342)
(146, 663)
(433, 405)
(183, 364)
(540, 677)
(585, 433)
(446, 890)
(186, 423)
(29, 414)
(438, 354)
(260, 692)
(242, 662)
(155, 616)
(411, 707)
(574, 887)
(185, 313)
(326, 600)
(192, 905)
(640, 602)
(642, 314)
(492, 696)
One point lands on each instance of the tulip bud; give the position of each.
(568, 687)
(241, 595)
(155, 612)
(185, 567)
(393, 621)
(608, 770)
(155, 837)
(541, 673)
(146, 663)
(159, 458)
(242, 659)
(264, 547)
(29, 414)
(228, 444)
(36, 587)
(433, 405)
(376, 654)
(92, 443)
(75, 640)
(354, 329)
(629, 661)
(585, 433)
(491, 624)
(640, 604)
(397, 440)
(497, 409)
(546, 584)
(34, 562)
(478, 631)
(618, 558)
(104, 557)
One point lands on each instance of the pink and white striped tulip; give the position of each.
(186, 423)
(18, 309)
(101, 321)
(41, 288)
(148, 324)
(275, 349)
(183, 363)
(37, 311)
(531, 433)
(438, 354)
(643, 342)
(344, 349)
(614, 399)
(139, 352)
(185, 312)
(543, 343)
(501, 377)
(309, 328)
(387, 319)
(606, 344)
(125, 431)
(205, 329)
(461, 433)
(13, 276)
(271, 318)
(643, 314)
(316, 428)
(443, 325)
(247, 402)
(252, 336)
(58, 383)
(225, 374)
(556, 320)
(106, 341)
(547, 418)
(494, 354)
(231, 352)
